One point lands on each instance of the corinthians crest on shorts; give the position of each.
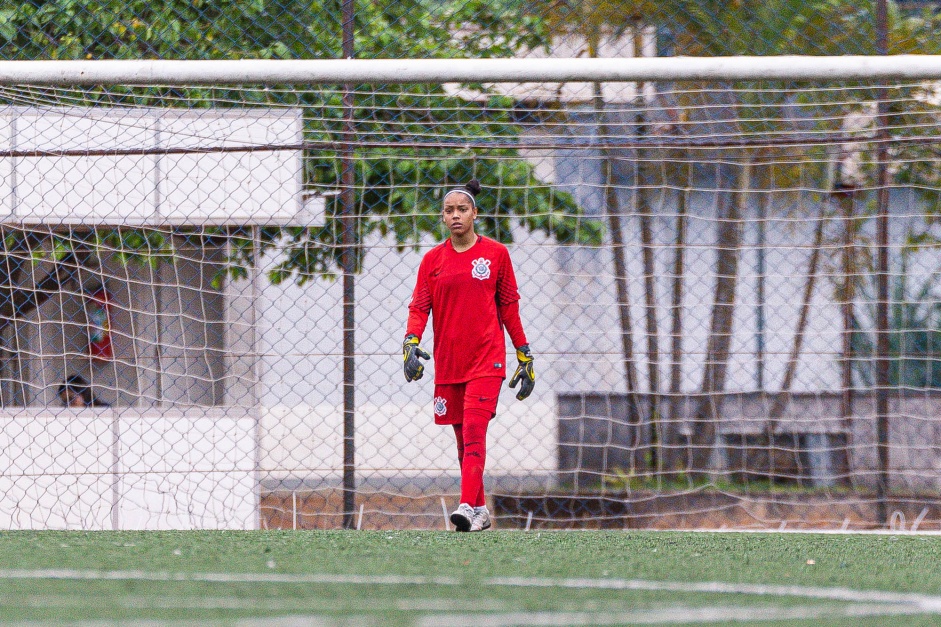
(480, 268)
(441, 406)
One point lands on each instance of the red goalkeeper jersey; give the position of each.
(471, 296)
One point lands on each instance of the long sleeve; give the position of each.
(508, 297)
(510, 316)
(420, 306)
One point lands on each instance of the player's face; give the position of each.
(459, 214)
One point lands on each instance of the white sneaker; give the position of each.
(462, 517)
(481, 519)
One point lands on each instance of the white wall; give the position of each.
(124, 469)
(153, 188)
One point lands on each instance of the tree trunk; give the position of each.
(645, 219)
(760, 297)
(782, 398)
(847, 293)
(613, 211)
(705, 417)
(671, 436)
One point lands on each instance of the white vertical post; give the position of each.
(256, 371)
(115, 468)
(294, 509)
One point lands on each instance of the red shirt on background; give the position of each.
(471, 296)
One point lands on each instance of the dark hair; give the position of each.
(76, 384)
(473, 186)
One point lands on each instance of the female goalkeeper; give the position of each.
(468, 284)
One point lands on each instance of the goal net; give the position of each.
(729, 283)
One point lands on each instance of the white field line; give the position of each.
(190, 602)
(769, 531)
(141, 575)
(665, 616)
(456, 612)
(822, 532)
(925, 603)
(274, 621)
(275, 604)
(661, 616)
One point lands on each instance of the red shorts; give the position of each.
(452, 399)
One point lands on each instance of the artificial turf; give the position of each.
(455, 574)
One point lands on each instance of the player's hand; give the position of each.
(414, 368)
(525, 374)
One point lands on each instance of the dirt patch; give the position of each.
(716, 510)
(323, 509)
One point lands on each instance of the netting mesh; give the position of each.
(699, 281)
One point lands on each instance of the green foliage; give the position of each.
(912, 112)
(398, 183)
(414, 144)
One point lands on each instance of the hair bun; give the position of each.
(473, 186)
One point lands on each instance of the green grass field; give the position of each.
(492, 578)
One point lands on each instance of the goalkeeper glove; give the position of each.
(414, 369)
(525, 374)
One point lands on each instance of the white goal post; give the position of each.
(389, 71)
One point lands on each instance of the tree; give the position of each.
(593, 22)
(711, 28)
(398, 177)
(707, 29)
(909, 128)
(820, 28)
(697, 28)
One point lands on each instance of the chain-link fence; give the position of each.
(216, 277)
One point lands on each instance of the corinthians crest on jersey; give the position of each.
(441, 406)
(480, 268)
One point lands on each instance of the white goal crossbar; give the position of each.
(373, 71)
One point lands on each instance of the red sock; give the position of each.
(473, 455)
